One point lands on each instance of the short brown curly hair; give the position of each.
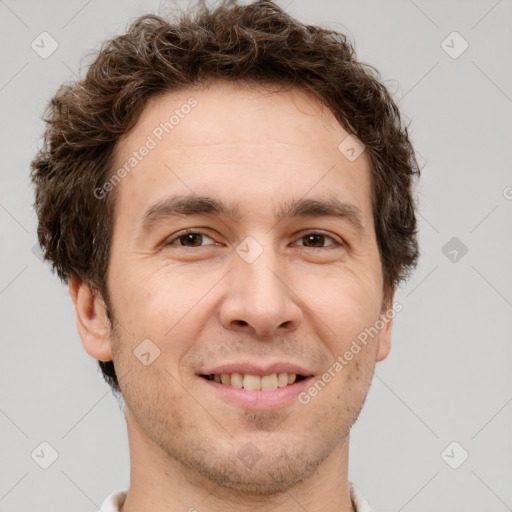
(257, 43)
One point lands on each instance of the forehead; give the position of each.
(255, 145)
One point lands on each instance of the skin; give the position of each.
(204, 305)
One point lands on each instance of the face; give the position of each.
(273, 278)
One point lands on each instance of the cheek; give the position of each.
(169, 306)
(348, 302)
(170, 298)
(348, 310)
(153, 298)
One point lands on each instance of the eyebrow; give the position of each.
(176, 206)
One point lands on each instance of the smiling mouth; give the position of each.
(255, 382)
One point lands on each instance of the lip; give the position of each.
(252, 368)
(257, 399)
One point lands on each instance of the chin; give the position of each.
(275, 468)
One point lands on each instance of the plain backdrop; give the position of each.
(445, 391)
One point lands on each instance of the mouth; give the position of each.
(266, 391)
(255, 382)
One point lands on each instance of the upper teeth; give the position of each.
(254, 382)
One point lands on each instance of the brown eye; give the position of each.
(194, 239)
(315, 240)
(189, 238)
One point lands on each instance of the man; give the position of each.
(229, 197)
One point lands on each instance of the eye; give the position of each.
(194, 238)
(188, 238)
(316, 240)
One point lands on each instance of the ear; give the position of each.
(91, 319)
(387, 316)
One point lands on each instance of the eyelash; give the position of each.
(170, 241)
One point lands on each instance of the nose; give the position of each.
(259, 299)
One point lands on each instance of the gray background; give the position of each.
(448, 375)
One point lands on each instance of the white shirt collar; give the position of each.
(116, 499)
